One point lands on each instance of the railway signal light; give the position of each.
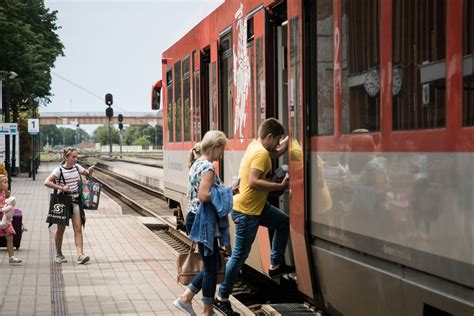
(109, 112)
(120, 118)
(109, 99)
(120, 126)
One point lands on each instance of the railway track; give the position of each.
(143, 199)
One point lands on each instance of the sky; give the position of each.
(115, 46)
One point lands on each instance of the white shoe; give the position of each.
(187, 309)
(60, 259)
(14, 260)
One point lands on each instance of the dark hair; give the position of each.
(271, 126)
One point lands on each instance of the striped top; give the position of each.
(71, 176)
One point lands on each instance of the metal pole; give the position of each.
(15, 119)
(121, 140)
(33, 160)
(110, 137)
(7, 137)
(156, 137)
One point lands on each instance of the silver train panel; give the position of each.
(356, 284)
(405, 221)
(354, 287)
(411, 208)
(175, 166)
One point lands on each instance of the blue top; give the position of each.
(199, 167)
(212, 220)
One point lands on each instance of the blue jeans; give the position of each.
(207, 277)
(246, 227)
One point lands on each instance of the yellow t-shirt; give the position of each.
(249, 201)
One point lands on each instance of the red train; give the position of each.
(378, 98)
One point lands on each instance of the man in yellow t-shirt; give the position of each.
(251, 209)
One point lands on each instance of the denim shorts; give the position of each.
(76, 209)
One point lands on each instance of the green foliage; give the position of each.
(29, 46)
(178, 120)
(101, 135)
(135, 132)
(142, 141)
(187, 119)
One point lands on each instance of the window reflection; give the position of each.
(419, 29)
(360, 63)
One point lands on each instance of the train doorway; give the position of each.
(277, 101)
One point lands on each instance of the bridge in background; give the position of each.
(99, 118)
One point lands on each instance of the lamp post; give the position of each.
(6, 110)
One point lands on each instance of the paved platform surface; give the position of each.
(131, 270)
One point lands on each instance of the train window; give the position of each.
(294, 78)
(169, 85)
(260, 110)
(213, 97)
(419, 40)
(197, 107)
(360, 64)
(320, 50)
(250, 30)
(187, 100)
(177, 100)
(468, 52)
(226, 78)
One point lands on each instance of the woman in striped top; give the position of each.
(72, 180)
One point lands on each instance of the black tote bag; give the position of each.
(60, 206)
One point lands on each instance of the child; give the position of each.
(9, 231)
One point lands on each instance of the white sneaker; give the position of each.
(83, 259)
(14, 260)
(60, 259)
(187, 309)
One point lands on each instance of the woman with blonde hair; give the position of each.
(203, 178)
(71, 172)
(194, 154)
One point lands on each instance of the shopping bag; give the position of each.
(189, 264)
(90, 194)
(60, 207)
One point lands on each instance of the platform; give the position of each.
(131, 270)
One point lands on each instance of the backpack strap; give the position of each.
(61, 176)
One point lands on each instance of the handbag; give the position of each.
(89, 192)
(189, 264)
(60, 206)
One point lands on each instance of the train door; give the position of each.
(297, 146)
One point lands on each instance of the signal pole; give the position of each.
(109, 112)
(120, 125)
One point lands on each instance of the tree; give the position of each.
(135, 132)
(51, 135)
(101, 135)
(29, 47)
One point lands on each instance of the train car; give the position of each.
(378, 98)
